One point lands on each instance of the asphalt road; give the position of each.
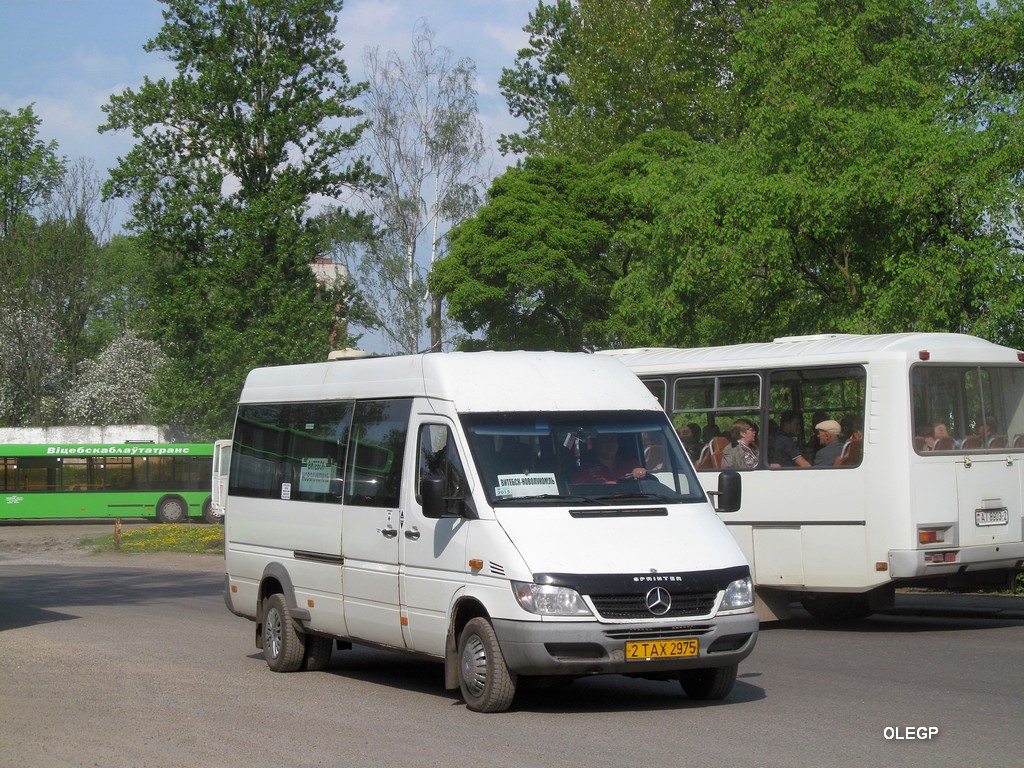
(135, 661)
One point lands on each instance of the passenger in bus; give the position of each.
(984, 432)
(690, 435)
(852, 450)
(782, 448)
(742, 454)
(815, 444)
(829, 434)
(939, 439)
(604, 464)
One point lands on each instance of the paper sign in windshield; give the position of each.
(526, 485)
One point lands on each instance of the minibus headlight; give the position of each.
(739, 594)
(549, 601)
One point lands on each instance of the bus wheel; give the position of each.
(210, 516)
(171, 510)
(708, 684)
(486, 683)
(283, 646)
(836, 606)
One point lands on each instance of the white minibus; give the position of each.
(882, 461)
(513, 515)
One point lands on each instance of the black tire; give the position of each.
(486, 683)
(318, 653)
(172, 510)
(210, 516)
(284, 647)
(837, 606)
(708, 684)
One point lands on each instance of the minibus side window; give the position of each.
(319, 438)
(289, 451)
(373, 476)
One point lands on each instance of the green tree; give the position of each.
(537, 87)
(228, 154)
(535, 267)
(842, 167)
(599, 73)
(872, 189)
(29, 168)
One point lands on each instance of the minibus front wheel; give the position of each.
(486, 683)
(708, 684)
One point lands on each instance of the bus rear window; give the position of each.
(967, 408)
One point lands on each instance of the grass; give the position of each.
(201, 539)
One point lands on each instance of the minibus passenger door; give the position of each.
(375, 476)
(433, 550)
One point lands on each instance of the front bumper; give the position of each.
(590, 648)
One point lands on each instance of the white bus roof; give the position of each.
(824, 349)
(473, 381)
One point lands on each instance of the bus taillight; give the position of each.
(935, 535)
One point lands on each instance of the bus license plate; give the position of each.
(991, 516)
(661, 649)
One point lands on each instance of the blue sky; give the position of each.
(68, 56)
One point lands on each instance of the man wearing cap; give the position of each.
(828, 433)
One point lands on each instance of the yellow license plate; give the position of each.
(661, 649)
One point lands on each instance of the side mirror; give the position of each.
(730, 491)
(435, 504)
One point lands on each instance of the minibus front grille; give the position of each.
(634, 606)
(658, 633)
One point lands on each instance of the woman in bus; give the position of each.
(742, 454)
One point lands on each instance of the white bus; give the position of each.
(505, 513)
(927, 489)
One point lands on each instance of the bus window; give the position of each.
(120, 474)
(967, 408)
(799, 399)
(715, 402)
(657, 388)
(37, 474)
(8, 470)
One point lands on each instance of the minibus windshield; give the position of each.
(580, 457)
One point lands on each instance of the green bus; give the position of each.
(170, 482)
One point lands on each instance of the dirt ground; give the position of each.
(47, 542)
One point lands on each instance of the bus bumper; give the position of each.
(915, 563)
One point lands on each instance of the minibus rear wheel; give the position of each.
(284, 647)
(486, 683)
(708, 684)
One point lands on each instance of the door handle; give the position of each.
(388, 533)
(413, 534)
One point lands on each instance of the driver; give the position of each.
(605, 466)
